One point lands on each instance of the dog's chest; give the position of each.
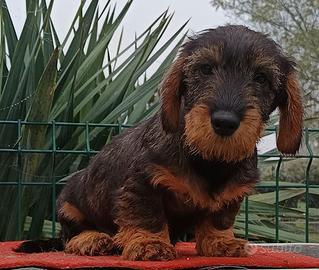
(186, 193)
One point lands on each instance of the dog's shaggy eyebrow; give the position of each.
(267, 63)
(211, 54)
(269, 66)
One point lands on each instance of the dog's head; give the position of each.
(222, 88)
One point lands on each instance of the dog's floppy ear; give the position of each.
(171, 92)
(291, 117)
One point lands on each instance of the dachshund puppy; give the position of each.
(192, 163)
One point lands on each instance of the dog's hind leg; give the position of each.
(79, 236)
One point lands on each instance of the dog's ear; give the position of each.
(291, 117)
(171, 92)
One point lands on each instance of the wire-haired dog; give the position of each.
(192, 163)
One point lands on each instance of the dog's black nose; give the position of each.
(225, 123)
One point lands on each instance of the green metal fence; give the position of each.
(280, 210)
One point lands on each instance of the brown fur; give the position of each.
(200, 137)
(170, 94)
(191, 192)
(139, 244)
(213, 242)
(211, 55)
(70, 212)
(291, 116)
(268, 63)
(90, 243)
(192, 162)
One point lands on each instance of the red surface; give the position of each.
(187, 259)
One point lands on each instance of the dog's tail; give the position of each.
(37, 246)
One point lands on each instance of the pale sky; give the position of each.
(141, 14)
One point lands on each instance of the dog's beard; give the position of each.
(201, 138)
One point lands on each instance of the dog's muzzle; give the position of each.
(225, 123)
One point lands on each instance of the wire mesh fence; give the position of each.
(33, 173)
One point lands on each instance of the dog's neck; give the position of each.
(214, 174)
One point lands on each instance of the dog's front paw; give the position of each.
(90, 243)
(223, 247)
(149, 250)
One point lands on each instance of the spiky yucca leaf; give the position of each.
(92, 83)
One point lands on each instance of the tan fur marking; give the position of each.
(90, 243)
(192, 192)
(291, 116)
(139, 244)
(201, 138)
(70, 212)
(213, 242)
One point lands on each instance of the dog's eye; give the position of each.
(206, 69)
(260, 78)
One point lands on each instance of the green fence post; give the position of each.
(87, 141)
(277, 199)
(307, 184)
(53, 178)
(19, 180)
(277, 189)
(119, 127)
(246, 218)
